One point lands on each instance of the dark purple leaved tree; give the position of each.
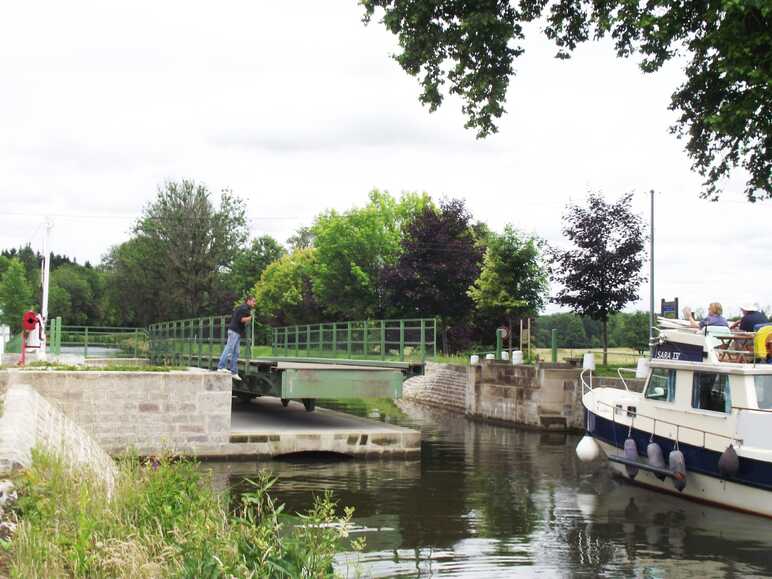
(601, 272)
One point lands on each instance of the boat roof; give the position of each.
(712, 347)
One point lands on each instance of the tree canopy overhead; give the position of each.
(724, 106)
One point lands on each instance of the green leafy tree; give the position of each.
(353, 248)
(184, 243)
(31, 262)
(513, 280)
(636, 331)
(724, 105)
(570, 331)
(135, 282)
(601, 272)
(303, 238)
(249, 263)
(15, 295)
(78, 295)
(284, 294)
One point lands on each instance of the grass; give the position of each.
(164, 519)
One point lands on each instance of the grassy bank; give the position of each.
(164, 520)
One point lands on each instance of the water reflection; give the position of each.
(491, 501)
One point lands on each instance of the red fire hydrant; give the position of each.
(30, 322)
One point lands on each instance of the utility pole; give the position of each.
(651, 278)
(46, 276)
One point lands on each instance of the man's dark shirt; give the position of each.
(236, 324)
(750, 319)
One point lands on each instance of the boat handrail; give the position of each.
(635, 414)
(740, 408)
(622, 378)
(588, 387)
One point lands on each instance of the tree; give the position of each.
(249, 263)
(601, 273)
(354, 247)
(31, 262)
(135, 282)
(636, 331)
(303, 238)
(284, 293)
(15, 295)
(439, 260)
(725, 105)
(513, 280)
(570, 331)
(194, 242)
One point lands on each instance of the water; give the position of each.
(490, 501)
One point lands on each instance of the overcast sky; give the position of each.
(298, 107)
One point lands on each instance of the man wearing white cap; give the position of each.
(752, 316)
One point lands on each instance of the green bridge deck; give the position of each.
(367, 359)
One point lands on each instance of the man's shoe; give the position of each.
(223, 370)
(236, 377)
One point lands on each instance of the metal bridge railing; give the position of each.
(181, 341)
(409, 339)
(97, 340)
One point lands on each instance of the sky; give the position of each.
(297, 107)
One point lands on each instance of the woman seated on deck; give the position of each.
(714, 317)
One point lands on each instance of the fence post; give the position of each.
(85, 343)
(348, 339)
(58, 335)
(335, 339)
(366, 345)
(423, 339)
(434, 339)
(308, 340)
(554, 346)
(383, 339)
(136, 343)
(297, 341)
(402, 340)
(252, 337)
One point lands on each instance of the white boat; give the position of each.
(701, 428)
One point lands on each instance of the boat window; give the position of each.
(661, 385)
(764, 391)
(710, 391)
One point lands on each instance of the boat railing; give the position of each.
(622, 378)
(633, 414)
(745, 408)
(587, 386)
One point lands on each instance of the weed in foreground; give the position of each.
(164, 520)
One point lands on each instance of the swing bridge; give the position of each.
(335, 360)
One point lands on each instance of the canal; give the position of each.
(491, 501)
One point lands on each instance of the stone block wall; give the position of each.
(30, 421)
(147, 411)
(442, 386)
(545, 396)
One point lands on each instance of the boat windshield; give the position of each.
(764, 391)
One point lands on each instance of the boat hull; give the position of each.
(701, 487)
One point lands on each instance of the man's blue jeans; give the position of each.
(231, 350)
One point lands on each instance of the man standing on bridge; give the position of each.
(236, 329)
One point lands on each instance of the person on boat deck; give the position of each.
(714, 317)
(751, 317)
